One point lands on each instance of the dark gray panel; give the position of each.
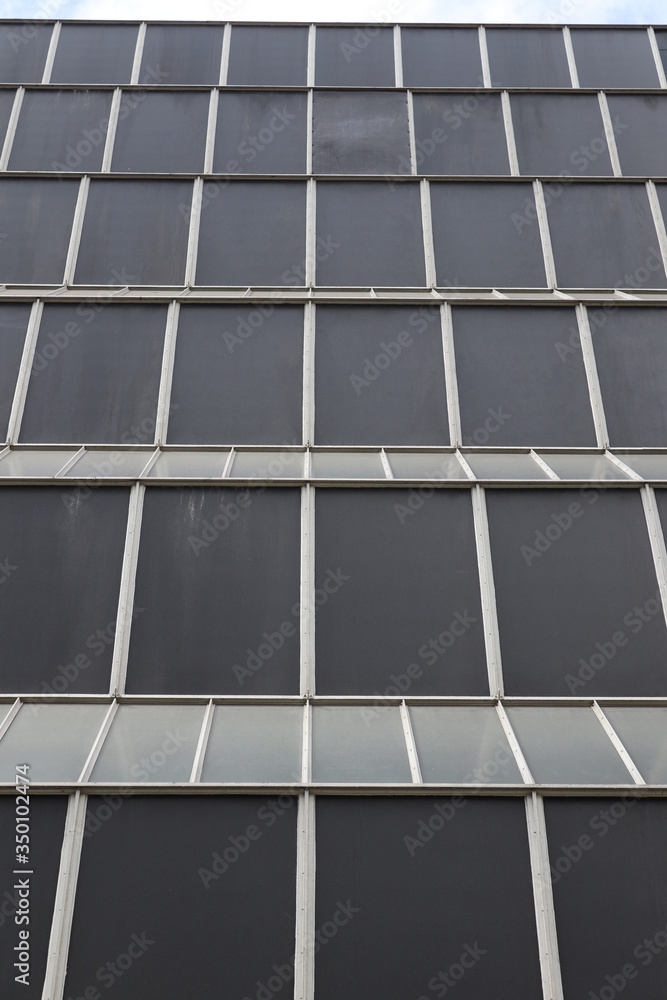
(379, 376)
(266, 56)
(62, 552)
(603, 236)
(560, 134)
(520, 382)
(360, 133)
(457, 907)
(483, 237)
(631, 353)
(527, 57)
(369, 234)
(640, 126)
(400, 607)
(661, 37)
(163, 133)
(617, 57)
(13, 326)
(211, 878)
(578, 602)
(218, 589)
(238, 376)
(354, 56)
(61, 130)
(96, 375)
(6, 105)
(23, 50)
(135, 233)
(261, 132)
(460, 134)
(35, 222)
(182, 54)
(609, 874)
(441, 57)
(46, 825)
(253, 233)
(94, 53)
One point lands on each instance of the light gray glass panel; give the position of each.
(13, 327)
(182, 54)
(268, 56)
(369, 234)
(253, 233)
(483, 237)
(189, 464)
(527, 57)
(150, 743)
(254, 743)
(347, 465)
(462, 745)
(135, 232)
(560, 134)
(267, 465)
(36, 222)
(102, 463)
(61, 130)
(460, 134)
(647, 466)
(568, 466)
(603, 236)
(405, 465)
(567, 746)
(504, 465)
(23, 50)
(441, 57)
(55, 739)
(95, 53)
(357, 744)
(354, 56)
(640, 127)
(20, 464)
(261, 132)
(360, 133)
(643, 733)
(165, 133)
(617, 57)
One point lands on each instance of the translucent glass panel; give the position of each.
(400, 606)
(527, 57)
(354, 56)
(261, 132)
(36, 221)
(217, 594)
(189, 464)
(47, 823)
(571, 466)
(95, 53)
(95, 374)
(369, 234)
(23, 50)
(441, 57)
(135, 232)
(619, 57)
(643, 732)
(459, 898)
(155, 743)
(462, 745)
(347, 465)
(561, 134)
(34, 462)
(640, 126)
(61, 130)
(120, 464)
(268, 56)
(254, 743)
(519, 382)
(587, 219)
(209, 877)
(39, 729)
(164, 133)
(425, 465)
(486, 235)
(577, 597)
(253, 233)
(357, 743)
(238, 376)
(13, 326)
(648, 466)
(183, 53)
(567, 746)
(360, 133)
(460, 134)
(61, 560)
(267, 465)
(502, 465)
(609, 875)
(379, 376)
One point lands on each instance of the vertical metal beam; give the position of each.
(311, 236)
(77, 229)
(618, 744)
(304, 953)
(410, 745)
(658, 220)
(307, 592)
(427, 226)
(126, 597)
(659, 65)
(308, 423)
(411, 133)
(202, 743)
(27, 358)
(138, 53)
(488, 592)
(398, 56)
(51, 54)
(545, 234)
(543, 896)
(610, 135)
(11, 128)
(309, 132)
(484, 52)
(657, 540)
(111, 129)
(166, 378)
(571, 60)
(385, 464)
(312, 42)
(451, 382)
(193, 234)
(224, 57)
(210, 131)
(509, 134)
(588, 354)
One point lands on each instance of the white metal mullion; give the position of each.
(509, 134)
(228, 464)
(571, 59)
(193, 234)
(27, 358)
(657, 540)
(138, 53)
(410, 745)
(11, 128)
(311, 235)
(610, 135)
(466, 468)
(514, 745)
(451, 383)
(304, 960)
(488, 592)
(312, 43)
(545, 235)
(77, 229)
(308, 423)
(202, 743)
(630, 473)
(398, 56)
(51, 54)
(659, 65)
(111, 129)
(61, 928)
(224, 56)
(592, 377)
(210, 130)
(150, 463)
(307, 743)
(543, 896)
(543, 465)
(658, 220)
(484, 53)
(309, 132)
(9, 718)
(91, 759)
(307, 592)
(388, 471)
(411, 132)
(427, 226)
(70, 462)
(618, 745)
(166, 378)
(127, 584)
